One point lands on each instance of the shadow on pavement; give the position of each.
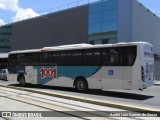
(114, 94)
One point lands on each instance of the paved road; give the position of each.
(17, 103)
(149, 98)
(29, 105)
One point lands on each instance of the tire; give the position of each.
(81, 85)
(21, 80)
(5, 78)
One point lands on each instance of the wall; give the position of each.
(124, 20)
(146, 27)
(64, 27)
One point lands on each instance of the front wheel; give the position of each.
(21, 80)
(81, 85)
(5, 78)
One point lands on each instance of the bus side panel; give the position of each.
(31, 75)
(127, 78)
(63, 75)
(136, 71)
(112, 77)
(12, 77)
(95, 81)
(14, 71)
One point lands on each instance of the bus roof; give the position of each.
(77, 46)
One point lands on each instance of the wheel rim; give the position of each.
(81, 85)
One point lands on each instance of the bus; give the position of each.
(84, 66)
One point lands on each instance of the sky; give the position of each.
(14, 10)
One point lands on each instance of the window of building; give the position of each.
(95, 28)
(95, 17)
(109, 26)
(103, 21)
(109, 4)
(110, 15)
(95, 7)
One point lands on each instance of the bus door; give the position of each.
(112, 71)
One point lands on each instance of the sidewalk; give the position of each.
(157, 82)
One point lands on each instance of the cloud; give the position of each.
(20, 13)
(2, 22)
(9, 5)
(24, 14)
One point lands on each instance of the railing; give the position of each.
(52, 10)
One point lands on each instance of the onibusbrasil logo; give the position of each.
(48, 72)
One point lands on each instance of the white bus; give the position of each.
(84, 66)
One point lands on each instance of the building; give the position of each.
(101, 22)
(5, 38)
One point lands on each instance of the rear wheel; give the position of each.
(81, 85)
(21, 80)
(5, 78)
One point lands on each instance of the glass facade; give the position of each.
(103, 16)
(5, 38)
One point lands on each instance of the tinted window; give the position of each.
(22, 59)
(109, 26)
(12, 60)
(92, 57)
(74, 58)
(109, 4)
(95, 7)
(58, 58)
(95, 28)
(130, 54)
(43, 58)
(93, 19)
(102, 22)
(110, 15)
(121, 56)
(116, 56)
(33, 58)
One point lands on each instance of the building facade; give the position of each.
(101, 22)
(5, 38)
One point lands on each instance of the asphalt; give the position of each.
(78, 97)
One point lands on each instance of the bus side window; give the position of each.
(74, 58)
(33, 58)
(12, 60)
(43, 58)
(105, 57)
(22, 59)
(116, 57)
(129, 55)
(92, 57)
(58, 58)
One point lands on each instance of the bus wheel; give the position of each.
(81, 85)
(21, 80)
(5, 78)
